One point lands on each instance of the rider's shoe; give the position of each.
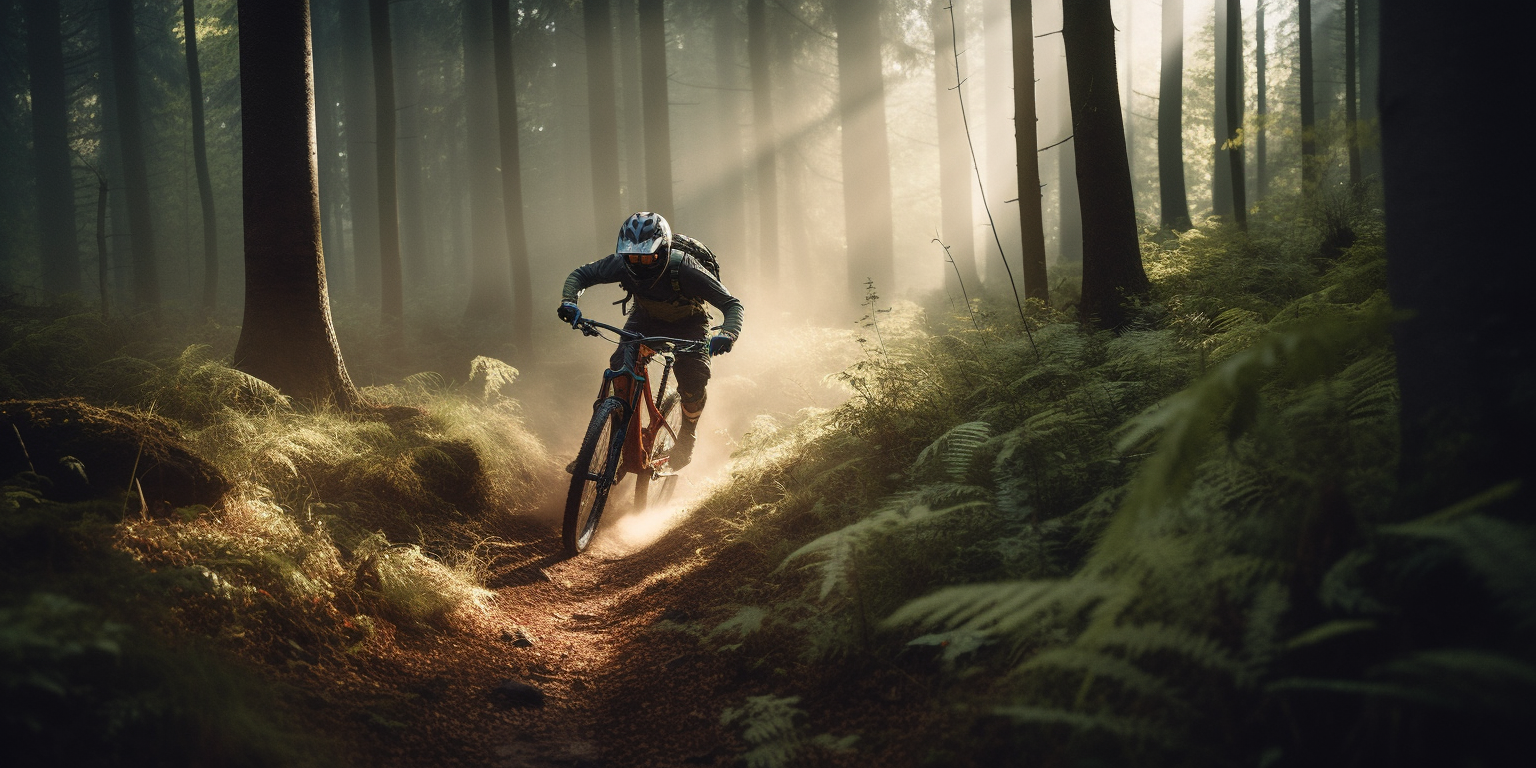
(682, 451)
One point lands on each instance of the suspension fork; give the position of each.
(666, 373)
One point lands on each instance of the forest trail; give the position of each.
(615, 691)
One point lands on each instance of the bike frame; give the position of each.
(635, 367)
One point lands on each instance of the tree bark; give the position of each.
(200, 159)
(141, 217)
(512, 176)
(1261, 119)
(1351, 117)
(490, 286)
(1234, 140)
(1369, 54)
(1309, 161)
(1221, 160)
(59, 254)
(999, 171)
(866, 147)
(362, 141)
(765, 151)
(1466, 359)
(1112, 269)
(1026, 145)
(654, 108)
(602, 111)
(955, 175)
(1170, 121)
(287, 338)
(391, 289)
(1069, 232)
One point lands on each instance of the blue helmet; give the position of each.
(645, 241)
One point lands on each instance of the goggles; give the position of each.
(647, 259)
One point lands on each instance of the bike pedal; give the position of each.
(570, 469)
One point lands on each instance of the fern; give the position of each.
(1501, 553)
(497, 375)
(953, 452)
(1000, 608)
(769, 728)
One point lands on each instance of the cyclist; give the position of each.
(669, 287)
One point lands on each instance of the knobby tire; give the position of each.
(592, 474)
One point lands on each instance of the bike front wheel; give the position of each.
(592, 474)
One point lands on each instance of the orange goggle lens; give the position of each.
(642, 258)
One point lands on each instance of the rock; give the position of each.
(90, 452)
(512, 693)
(518, 638)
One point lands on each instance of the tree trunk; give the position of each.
(200, 158)
(1261, 120)
(633, 122)
(362, 141)
(391, 291)
(1112, 270)
(1026, 144)
(1069, 233)
(1351, 117)
(1309, 160)
(1126, 89)
(1466, 359)
(728, 194)
(490, 287)
(1000, 167)
(328, 92)
(119, 240)
(512, 175)
(602, 110)
(286, 339)
(414, 258)
(1170, 121)
(1234, 139)
(765, 135)
(1369, 54)
(1221, 165)
(866, 148)
(59, 254)
(955, 175)
(125, 78)
(654, 109)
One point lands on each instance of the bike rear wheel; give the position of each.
(592, 474)
(672, 414)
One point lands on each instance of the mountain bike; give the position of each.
(641, 449)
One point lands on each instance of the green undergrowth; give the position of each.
(1175, 544)
(152, 634)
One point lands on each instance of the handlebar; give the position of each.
(590, 328)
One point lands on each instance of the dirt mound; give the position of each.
(91, 452)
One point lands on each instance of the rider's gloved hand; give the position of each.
(569, 313)
(720, 343)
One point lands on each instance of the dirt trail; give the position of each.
(614, 693)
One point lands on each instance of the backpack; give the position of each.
(695, 249)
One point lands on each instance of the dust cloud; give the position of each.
(782, 365)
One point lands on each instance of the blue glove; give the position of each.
(721, 343)
(569, 312)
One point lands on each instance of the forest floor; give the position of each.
(617, 684)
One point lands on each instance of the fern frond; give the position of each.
(1094, 666)
(1501, 553)
(1140, 640)
(1098, 721)
(498, 375)
(1002, 607)
(953, 451)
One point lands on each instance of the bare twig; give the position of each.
(959, 279)
(1057, 144)
(24, 451)
(976, 166)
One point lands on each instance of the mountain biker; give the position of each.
(669, 287)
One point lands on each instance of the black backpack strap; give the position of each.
(675, 270)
